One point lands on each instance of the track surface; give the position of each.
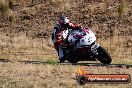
(66, 63)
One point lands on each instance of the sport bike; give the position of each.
(82, 46)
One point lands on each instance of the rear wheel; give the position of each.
(103, 56)
(72, 60)
(70, 57)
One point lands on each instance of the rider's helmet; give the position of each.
(64, 21)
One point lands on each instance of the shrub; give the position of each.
(5, 9)
(12, 18)
(121, 8)
(12, 3)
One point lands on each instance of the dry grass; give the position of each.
(12, 3)
(28, 40)
(2, 1)
(23, 2)
(12, 19)
(23, 48)
(19, 75)
(116, 46)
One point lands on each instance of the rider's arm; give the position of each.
(73, 26)
(58, 37)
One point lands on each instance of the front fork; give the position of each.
(94, 48)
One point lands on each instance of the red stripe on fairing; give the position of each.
(86, 30)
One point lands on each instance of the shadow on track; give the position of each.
(67, 63)
(5, 60)
(81, 64)
(105, 65)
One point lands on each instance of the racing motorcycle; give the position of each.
(82, 46)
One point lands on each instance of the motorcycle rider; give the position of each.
(57, 37)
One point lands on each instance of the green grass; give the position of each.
(52, 62)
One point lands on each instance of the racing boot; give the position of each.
(61, 60)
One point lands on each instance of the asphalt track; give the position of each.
(66, 63)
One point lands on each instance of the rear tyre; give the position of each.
(71, 57)
(103, 56)
(72, 60)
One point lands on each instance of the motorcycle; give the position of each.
(82, 46)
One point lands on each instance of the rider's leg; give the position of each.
(61, 55)
(60, 52)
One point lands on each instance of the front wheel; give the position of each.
(103, 56)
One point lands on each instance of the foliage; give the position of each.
(5, 9)
(121, 8)
(12, 18)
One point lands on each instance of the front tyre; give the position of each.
(103, 56)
